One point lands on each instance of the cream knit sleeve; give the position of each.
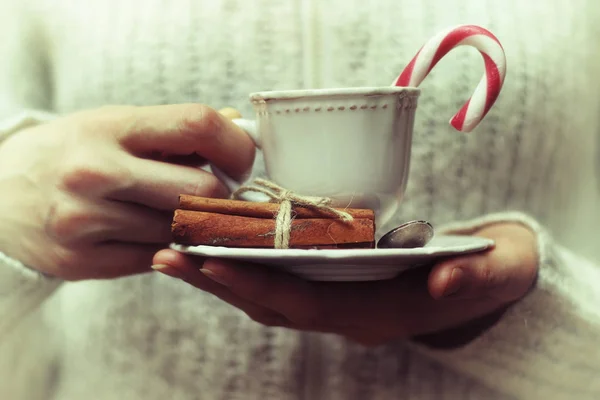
(24, 72)
(548, 344)
(24, 101)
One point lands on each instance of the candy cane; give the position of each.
(490, 85)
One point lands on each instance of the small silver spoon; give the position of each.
(409, 235)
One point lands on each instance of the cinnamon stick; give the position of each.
(215, 229)
(346, 246)
(259, 210)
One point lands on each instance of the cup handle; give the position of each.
(249, 126)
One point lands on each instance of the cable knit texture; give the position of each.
(151, 337)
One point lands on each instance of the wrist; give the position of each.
(25, 119)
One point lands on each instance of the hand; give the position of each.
(91, 195)
(423, 301)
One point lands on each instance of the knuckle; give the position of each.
(115, 116)
(80, 175)
(71, 265)
(487, 276)
(200, 120)
(210, 186)
(65, 221)
(109, 117)
(492, 279)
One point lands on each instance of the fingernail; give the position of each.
(168, 270)
(212, 275)
(160, 267)
(454, 283)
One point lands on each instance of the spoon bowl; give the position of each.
(409, 235)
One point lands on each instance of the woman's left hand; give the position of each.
(418, 302)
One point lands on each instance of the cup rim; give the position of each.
(296, 94)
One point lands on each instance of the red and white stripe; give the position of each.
(489, 87)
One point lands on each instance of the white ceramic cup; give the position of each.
(352, 145)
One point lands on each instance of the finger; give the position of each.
(230, 113)
(296, 299)
(177, 265)
(190, 160)
(194, 160)
(184, 129)
(158, 185)
(180, 266)
(200, 281)
(503, 274)
(75, 220)
(326, 307)
(106, 261)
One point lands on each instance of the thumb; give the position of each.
(185, 129)
(504, 273)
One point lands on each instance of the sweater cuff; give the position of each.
(22, 289)
(560, 270)
(546, 344)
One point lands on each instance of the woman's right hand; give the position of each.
(91, 195)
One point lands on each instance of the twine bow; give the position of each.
(287, 199)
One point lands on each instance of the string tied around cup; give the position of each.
(286, 200)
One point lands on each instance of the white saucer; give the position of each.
(348, 265)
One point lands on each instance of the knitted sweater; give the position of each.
(531, 160)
